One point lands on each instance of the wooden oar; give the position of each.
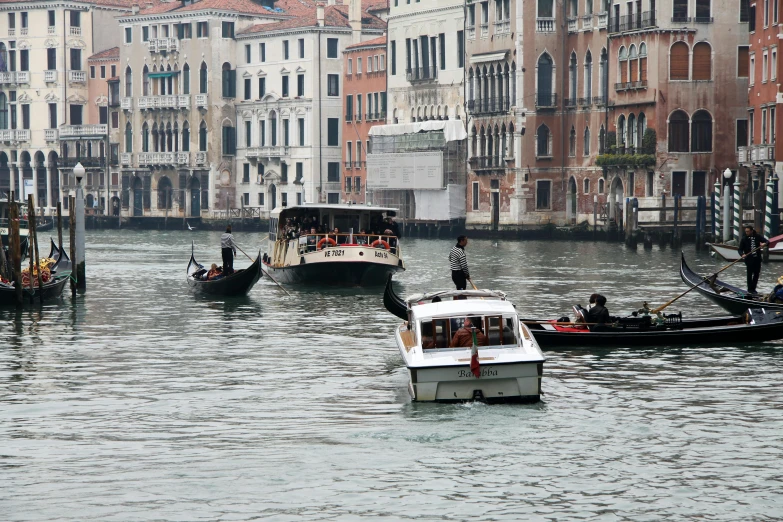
(474, 287)
(266, 273)
(660, 308)
(565, 323)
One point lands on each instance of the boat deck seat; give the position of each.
(508, 337)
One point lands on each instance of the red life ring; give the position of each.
(320, 244)
(380, 242)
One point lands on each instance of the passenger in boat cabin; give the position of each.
(312, 240)
(214, 272)
(229, 249)
(458, 262)
(361, 239)
(599, 314)
(464, 336)
(591, 304)
(751, 246)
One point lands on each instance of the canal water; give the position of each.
(142, 402)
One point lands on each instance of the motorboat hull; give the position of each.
(498, 383)
(730, 253)
(344, 273)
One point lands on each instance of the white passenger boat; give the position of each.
(363, 252)
(730, 253)
(507, 369)
(5, 228)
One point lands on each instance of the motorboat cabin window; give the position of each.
(438, 333)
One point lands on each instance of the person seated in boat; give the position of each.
(214, 272)
(591, 303)
(312, 240)
(464, 336)
(776, 295)
(599, 314)
(361, 239)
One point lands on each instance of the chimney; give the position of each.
(135, 8)
(149, 4)
(355, 20)
(319, 13)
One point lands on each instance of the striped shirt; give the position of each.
(227, 241)
(458, 261)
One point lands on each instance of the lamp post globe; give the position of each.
(78, 172)
(727, 174)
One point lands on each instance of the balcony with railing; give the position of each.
(348, 165)
(157, 45)
(74, 31)
(52, 29)
(75, 132)
(546, 101)
(545, 25)
(163, 158)
(485, 163)
(634, 22)
(421, 74)
(50, 76)
(471, 32)
(87, 162)
(587, 22)
(603, 20)
(23, 31)
(77, 76)
(572, 24)
(485, 29)
(630, 86)
(201, 101)
(15, 77)
(15, 135)
(201, 158)
(569, 102)
(126, 159)
(703, 19)
(584, 102)
(489, 105)
(503, 27)
(169, 101)
(267, 151)
(599, 100)
(12, 31)
(50, 134)
(756, 153)
(126, 103)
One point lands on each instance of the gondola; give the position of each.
(238, 283)
(61, 272)
(750, 326)
(61, 256)
(731, 298)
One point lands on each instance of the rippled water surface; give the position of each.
(139, 401)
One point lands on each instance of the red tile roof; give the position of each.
(107, 3)
(289, 7)
(108, 54)
(375, 42)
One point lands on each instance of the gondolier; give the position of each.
(229, 249)
(750, 246)
(458, 262)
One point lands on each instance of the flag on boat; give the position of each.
(475, 367)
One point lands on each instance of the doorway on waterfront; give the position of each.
(272, 197)
(195, 197)
(616, 201)
(494, 186)
(138, 210)
(571, 201)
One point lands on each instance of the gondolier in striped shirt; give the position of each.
(229, 249)
(458, 262)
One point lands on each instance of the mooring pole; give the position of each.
(72, 233)
(33, 234)
(595, 215)
(737, 211)
(16, 249)
(81, 280)
(716, 210)
(60, 225)
(726, 213)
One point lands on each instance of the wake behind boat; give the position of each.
(506, 366)
(355, 246)
(238, 283)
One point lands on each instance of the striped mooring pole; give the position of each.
(716, 212)
(737, 218)
(768, 213)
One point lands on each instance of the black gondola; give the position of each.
(63, 262)
(731, 298)
(750, 326)
(238, 283)
(61, 272)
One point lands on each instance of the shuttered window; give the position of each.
(702, 61)
(678, 61)
(624, 71)
(634, 66)
(742, 61)
(643, 68)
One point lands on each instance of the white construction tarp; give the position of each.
(453, 130)
(418, 170)
(441, 205)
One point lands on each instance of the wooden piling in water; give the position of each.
(33, 236)
(72, 231)
(15, 246)
(59, 225)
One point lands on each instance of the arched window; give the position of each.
(543, 141)
(155, 141)
(588, 76)
(586, 144)
(603, 72)
(633, 64)
(202, 79)
(641, 123)
(632, 131)
(185, 137)
(586, 185)
(702, 61)
(572, 142)
(601, 139)
(701, 132)
(202, 137)
(145, 82)
(678, 61)
(145, 137)
(164, 193)
(621, 130)
(229, 139)
(572, 79)
(128, 137)
(3, 111)
(622, 65)
(229, 81)
(678, 132)
(600, 185)
(643, 63)
(273, 126)
(545, 9)
(186, 79)
(128, 82)
(544, 87)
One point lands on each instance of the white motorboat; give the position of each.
(354, 245)
(508, 369)
(730, 253)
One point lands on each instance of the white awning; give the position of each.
(488, 57)
(453, 130)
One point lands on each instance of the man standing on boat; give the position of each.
(229, 249)
(750, 248)
(459, 263)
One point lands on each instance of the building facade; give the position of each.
(364, 80)
(291, 109)
(46, 108)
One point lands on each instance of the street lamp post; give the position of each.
(81, 283)
(727, 210)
